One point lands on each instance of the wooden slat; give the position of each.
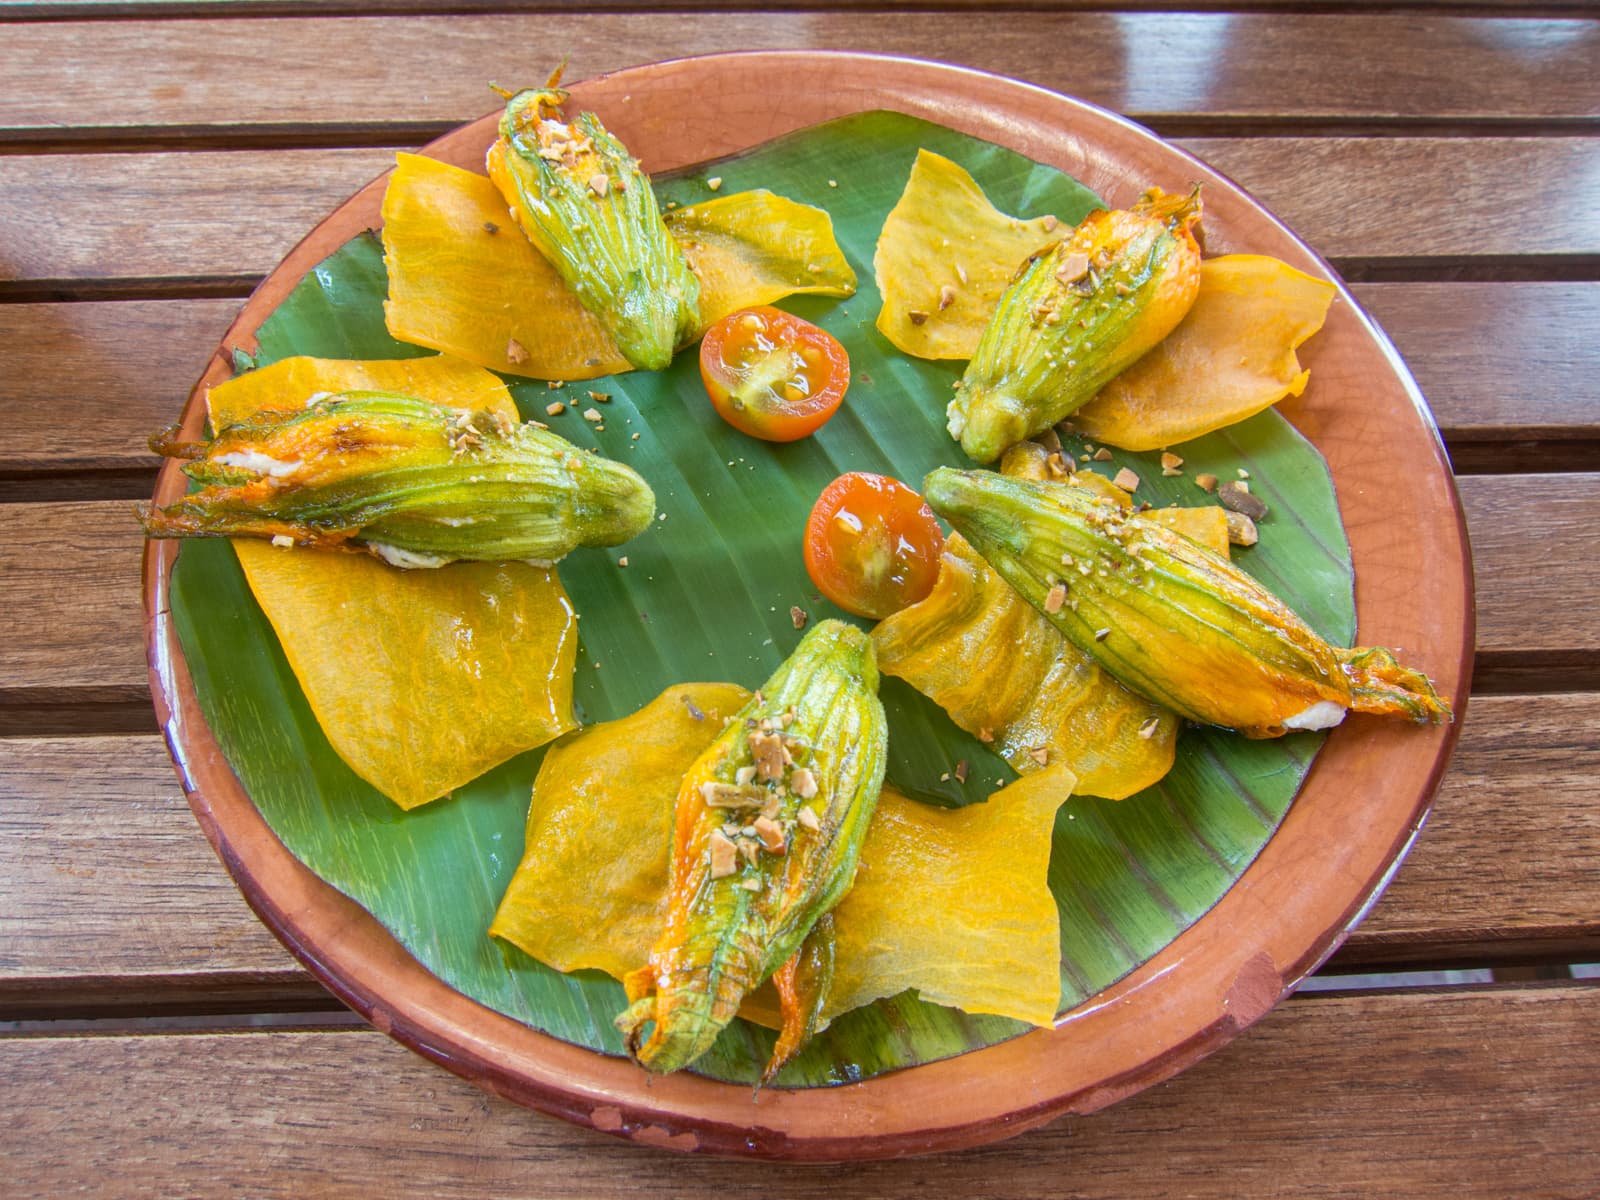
(1358, 1095)
(143, 78)
(1499, 362)
(70, 618)
(1410, 201)
(86, 384)
(1508, 865)
(111, 900)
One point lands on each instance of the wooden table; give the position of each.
(157, 158)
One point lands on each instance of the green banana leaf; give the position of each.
(707, 595)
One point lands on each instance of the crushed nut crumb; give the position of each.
(1040, 755)
(599, 184)
(554, 410)
(600, 397)
(808, 818)
(986, 735)
(769, 754)
(917, 317)
(803, 783)
(1100, 455)
(1206, 482)
(961, 771)
(947, 297)
(714, 183)
(798, 616)
(1101, 635)
(770, 834)
(1148, 729)
(1055, 598)
(1126, 480)
(515, 351)
(724, 855)
(592, 414)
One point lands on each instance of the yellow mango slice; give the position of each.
(593, 876)
(944, 257)
(756, 247)
(1230, 358)
(999, 668)
(491, 299)
(421, 680)
(955, 903)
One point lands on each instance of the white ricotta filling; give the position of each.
(1324, 714)
(409, 559)
(261, 464)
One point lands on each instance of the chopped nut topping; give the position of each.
(961, 771)
(600, 397)
(515, 351)
(714, 182)
(1073, 268)
(771, 835)
(599, 184)
(808, 818)
(1171, 472)
(554, 410)
(1049, 223)
(1040, 755)
(1055, 598)
(947, 297)
(623, 561)
(798, 616)
(753, 884)
(1101, 635)
(1100, 455)
(553, 384)
(986, 735)
(1206, 482)
(1242, 530)
(917, 316)
(769, 753)
(282, 540)
(1148, 729)
(803, 783)
(748, 850)
(724, 855)
(593, 415)
(744, 775)
(1126, 480)
(1169, 460)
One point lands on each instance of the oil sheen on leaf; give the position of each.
(422, 680)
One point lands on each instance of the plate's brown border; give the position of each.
(1360, 808)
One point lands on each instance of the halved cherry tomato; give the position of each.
(872, 545)
(771, 374)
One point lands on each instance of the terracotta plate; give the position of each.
(1361, 806)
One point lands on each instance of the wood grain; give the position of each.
(1353, 1095)
(355, 76)
(174, 224)
(110, 899)
(1500, 363)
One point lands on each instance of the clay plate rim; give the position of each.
(1356, 815)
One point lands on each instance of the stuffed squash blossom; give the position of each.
(587, 207)
(769, 823)
(1169, 618)
(1078, 313)
(415, 483)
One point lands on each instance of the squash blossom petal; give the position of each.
(415, 483)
